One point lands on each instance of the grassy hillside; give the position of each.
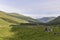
(19, 16)
(4, 29)
(5, 22)
(4, 15)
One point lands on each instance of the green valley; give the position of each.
(15, 26)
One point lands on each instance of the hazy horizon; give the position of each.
(33, 8)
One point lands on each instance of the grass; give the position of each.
(4, 29)
(22, 32)
(5, 25)
(33, 33)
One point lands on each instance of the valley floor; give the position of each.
(22, 32)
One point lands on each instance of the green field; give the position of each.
(19, 32)
(22, 32)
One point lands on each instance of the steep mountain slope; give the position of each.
(45, 19)
(19, 16)
(56, 20)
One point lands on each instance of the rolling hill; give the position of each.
(55, 21)
(6, 17)
(26, 18)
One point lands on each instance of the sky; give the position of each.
(32, 8)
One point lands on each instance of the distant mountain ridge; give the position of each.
(45, 19)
